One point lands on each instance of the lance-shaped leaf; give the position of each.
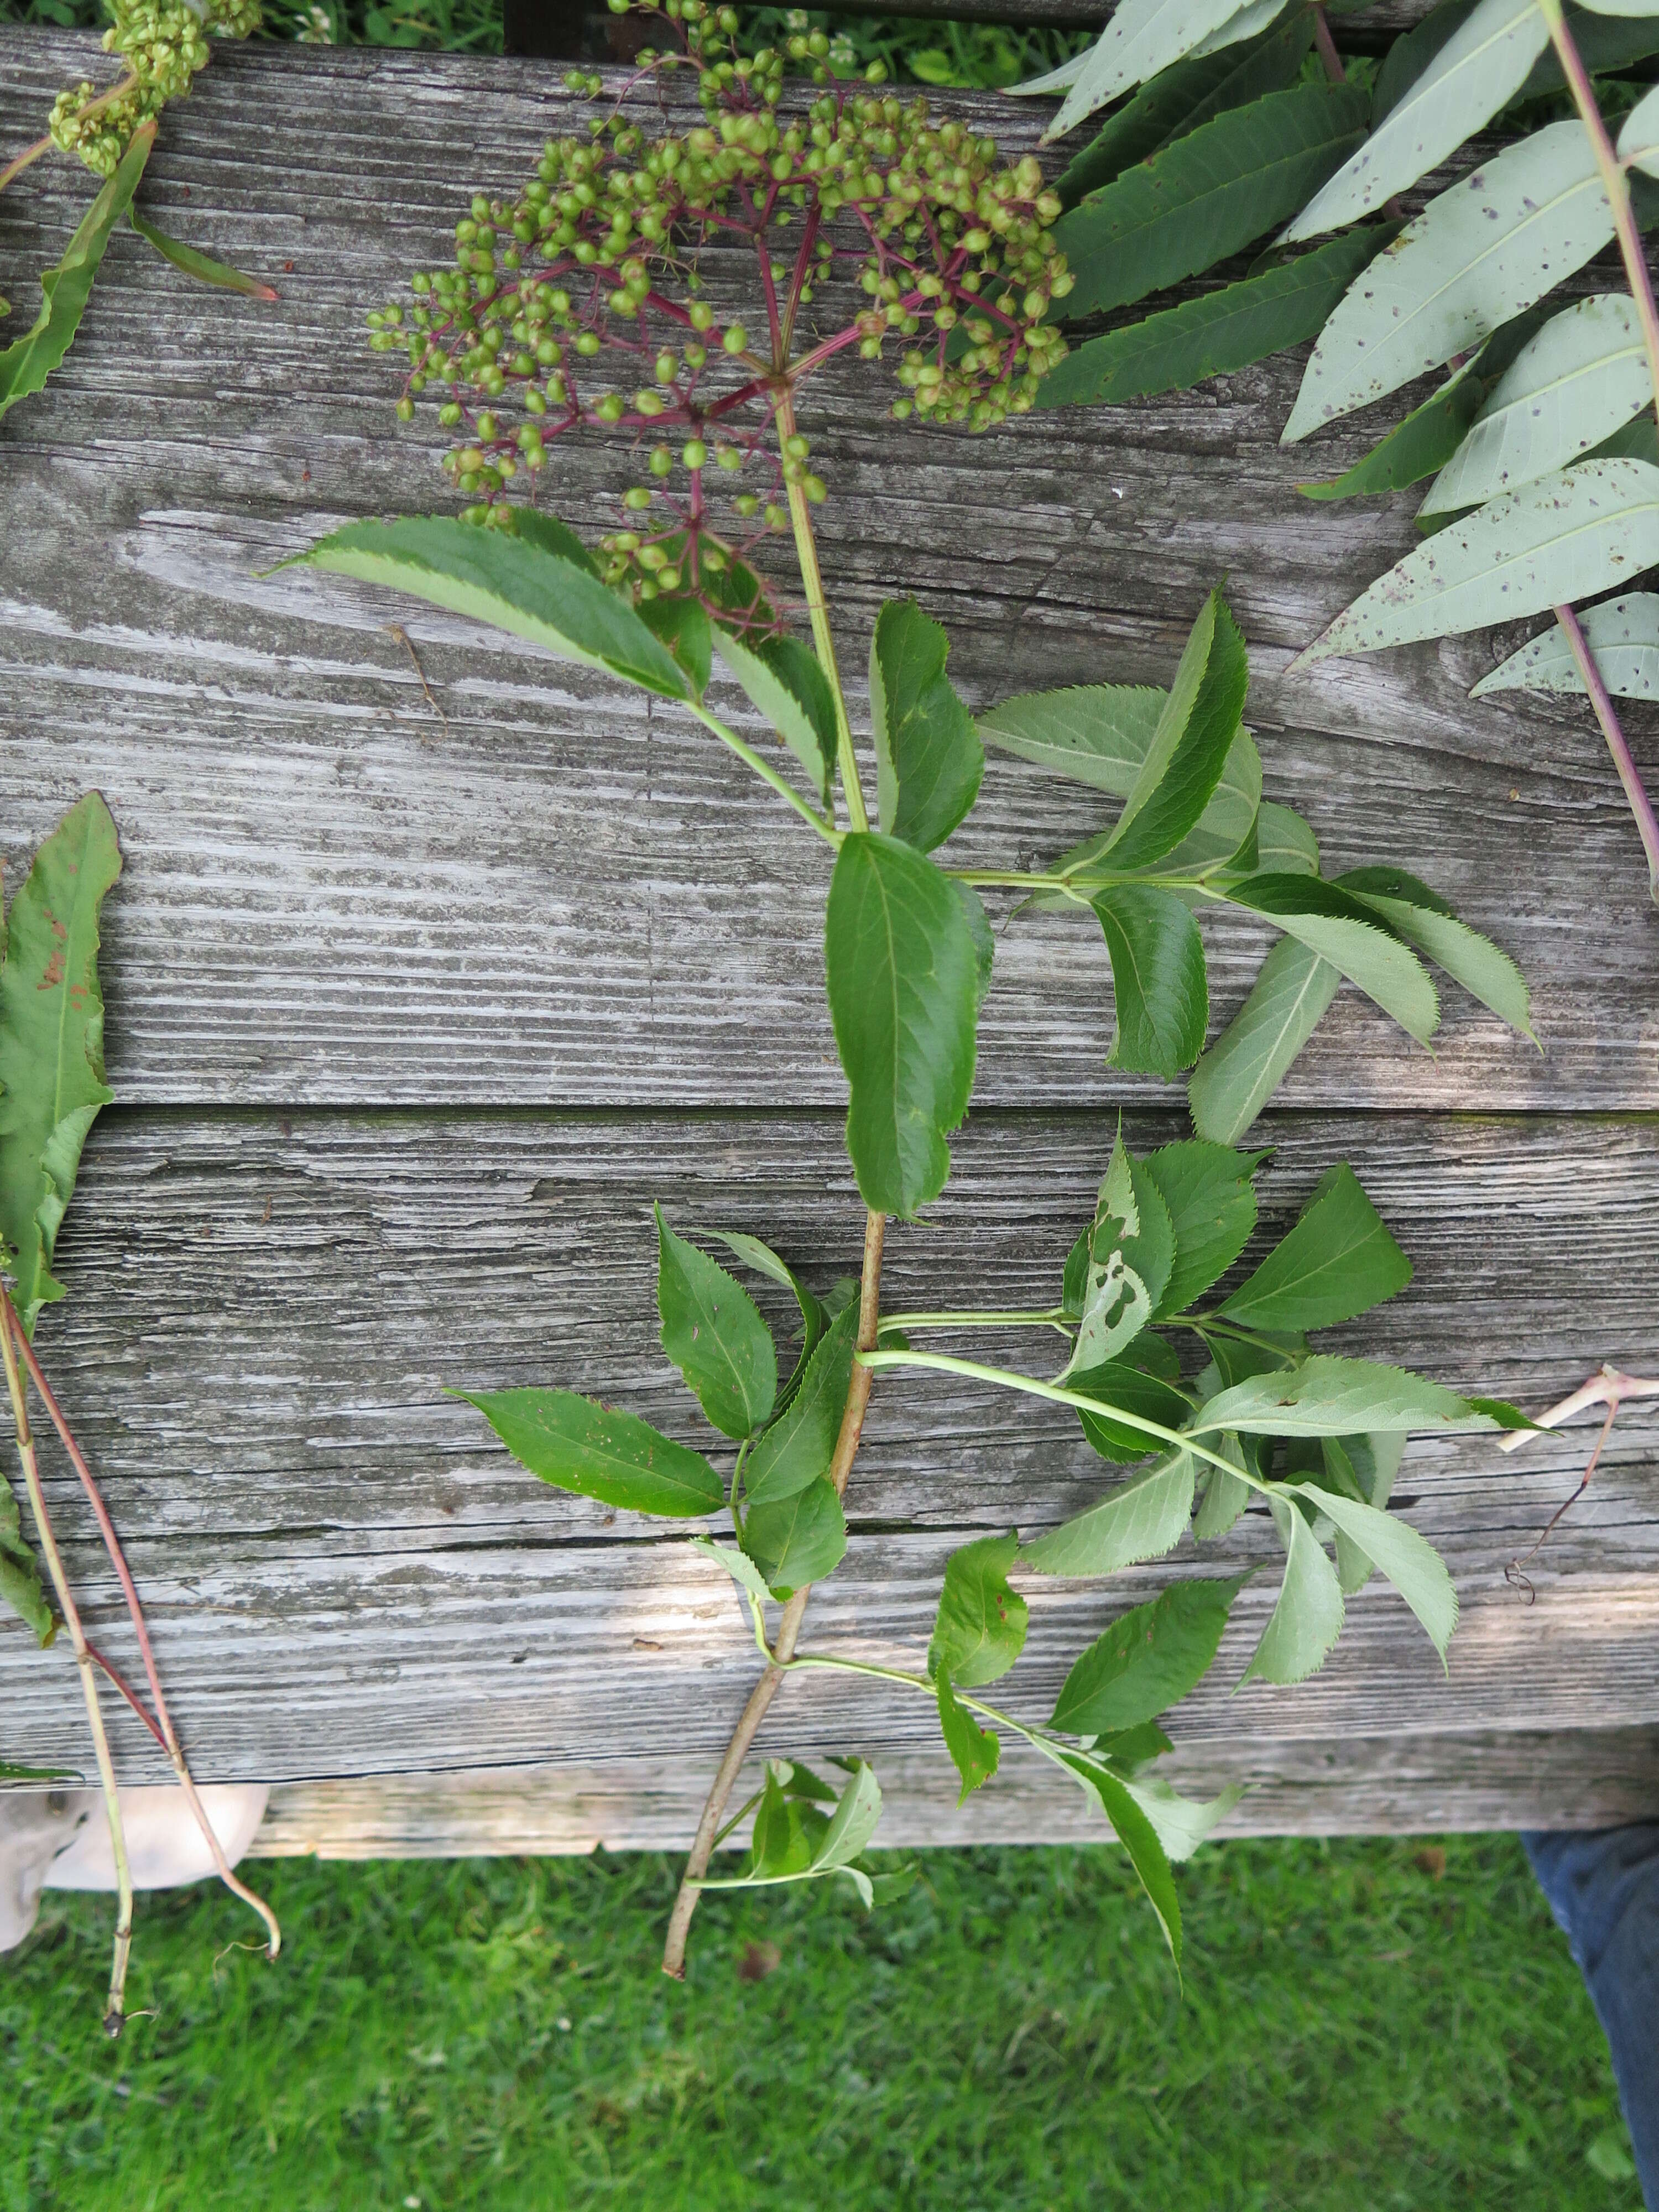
(202, 266)
(1624, 635)
(797, 1539)
(1640, 129)
(1369, 1464)
(1148, 1660)
(785, 681)
(1412, 51)
(713, 1332)
(741, 1568)
(1181, 1824)
(1478, 71)
(1413, 449)
(1143, 1519)
(538, 528)
(765, 1261)
(1131, 1251)
(1211, 1196)
(51, 1043)
(1225, 1494)
(1338, 1261)
(800, 1443)
(1409, 1561)
(683, 625)
(1415, 913)
(1351, 937)
(1477, 255)
(21, 1586)
(902, 969)
(1582, 376)
(1141, 1839)
(1308, 1618)
(976, 1751)
(1142, 37)
(929, 756)
(578, 1444)
(1189, 745)
(1595, 526)
(505, 578)
(1248, 23)
(27, 363)
(1208, 195)
(980, 1630)
(1181, 98)
(1326, 1396)
(1158, 979)
(1216, 333)
(13, 1776)
(1145, 1386)
(1247, 1061)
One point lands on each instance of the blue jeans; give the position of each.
(1602, 1885)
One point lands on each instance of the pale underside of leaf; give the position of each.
(1478, 70)
(1308, 1618)
(1142, 37)
(1593, 527)
(1624, 635)
(1584, 376)
(1477, 255)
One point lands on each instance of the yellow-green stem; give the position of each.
(806, 551)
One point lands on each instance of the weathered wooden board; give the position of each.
(1426, 1786)
(550, 894)
(346, 1575)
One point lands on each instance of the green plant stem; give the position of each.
(783, 1650)
(1007, 1378)
(1628, 232)
(806, 552)
(1053, 1318)
(114, 2010)
(1214, 1325)
(163, 1723)
(763, 769)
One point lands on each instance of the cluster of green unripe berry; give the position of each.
(583, 300)
(164, 43)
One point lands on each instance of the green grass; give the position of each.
(983, 54)
(1358, 2033)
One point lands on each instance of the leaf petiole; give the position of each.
(1053, 1318)
(746, 753)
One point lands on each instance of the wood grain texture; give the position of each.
(346, 1575)
(1427, 1785)
(554, 894)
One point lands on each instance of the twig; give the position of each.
(1640, 805)
(1512, 1574)
(11, 1325)
(66, 1606)
(397, 630)
(1606, 1388)
(743, 1736)
(16, 167)
(121, 1683)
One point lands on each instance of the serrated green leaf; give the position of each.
(1584, 376)
(902, 970)
(547, 532)
(21, 1586)
(1158, 979)
(1137, 1387)
(853, 1821)
(797, 1539)
(683, 625)
(1285, 843)
(980, 1630)
(1356, 942)
(1576, 534)
(1141, 1839)
(1371, 1463)
(578, 1444)
(929, 756)
(509, 580)
(202, 266)
(1211, 1196)
(65, 288)
(1096, 733)
(1208, 195)
(1478, 254)
(1142, 37)
(1246, 1064)
(1478, 70)
(784, 680)
(800, 1443)
(1148, 1660)
(1408, 1560)
(1143, 1519)
(765, 1261)
(1414, 912)
(1326, 1396)
(713, 1332)
(738, 1564)
(985, 944)
(1624, 635)
(1181, 1824)
(1216, 333)
(1338, 1261)
(1226, 1496)
(51, 1043)
(976, 1751)
(1307, 1620)
(1189, 745)
(1130, 1252)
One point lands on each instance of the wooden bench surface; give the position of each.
(413, 1012)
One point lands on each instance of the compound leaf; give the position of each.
(1412, 911)
(1395, 1547)
(1351, 937)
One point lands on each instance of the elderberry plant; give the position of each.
(585, 303)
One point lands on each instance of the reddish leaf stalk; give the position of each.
(1601, 699)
